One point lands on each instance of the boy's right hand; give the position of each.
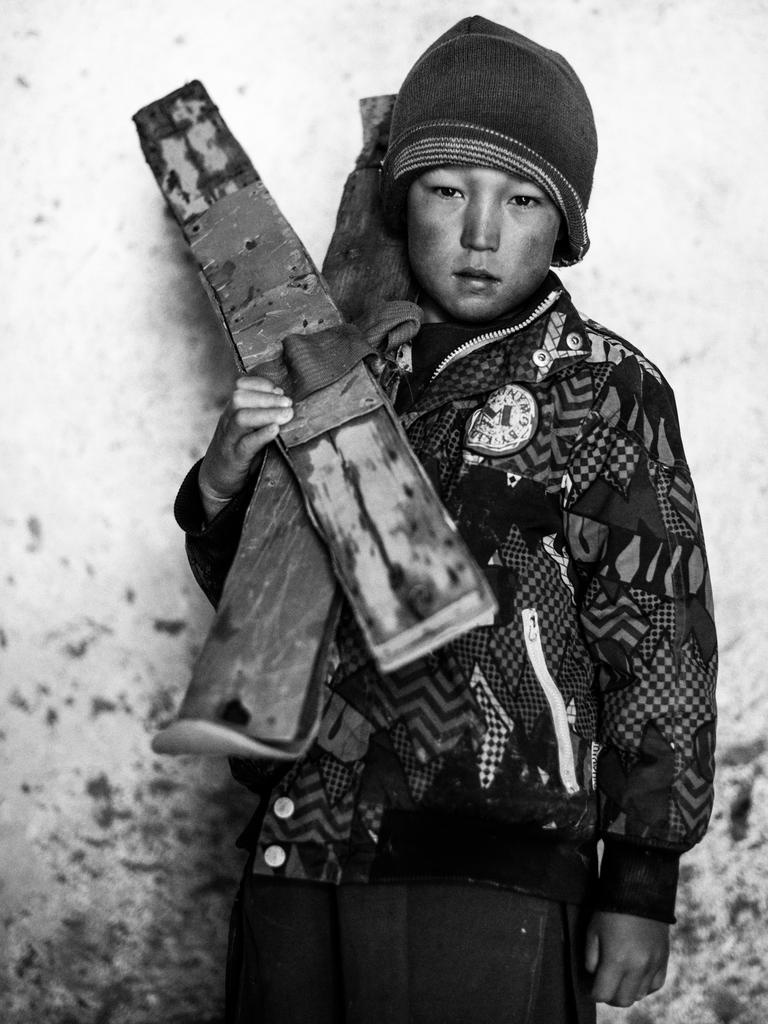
(251, 419)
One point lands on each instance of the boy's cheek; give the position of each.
(539, 248)
(424, 242)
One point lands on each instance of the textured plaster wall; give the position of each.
(116, 866)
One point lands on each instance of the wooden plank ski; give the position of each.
(257, 684)
(255, 687)
(403, 566)
(366, 264)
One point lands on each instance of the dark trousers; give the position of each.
(404, 953)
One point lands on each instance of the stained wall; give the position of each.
(117, 866)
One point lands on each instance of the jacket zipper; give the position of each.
(481, 340)
(554, 698)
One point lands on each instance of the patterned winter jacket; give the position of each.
(586, 710)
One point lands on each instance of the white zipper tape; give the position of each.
(481, 340)
(554, 699)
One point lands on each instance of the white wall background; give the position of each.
(116, 866)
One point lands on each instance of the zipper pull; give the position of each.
(532, 624)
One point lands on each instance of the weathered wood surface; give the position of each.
(223, 711)
(367, 264)
(264, 282)
(257, 682)
(408, 575)
(388, 532)
(192, 153)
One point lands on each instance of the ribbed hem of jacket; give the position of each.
(437, 847)
(638, 880)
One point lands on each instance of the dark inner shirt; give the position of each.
(436, 340)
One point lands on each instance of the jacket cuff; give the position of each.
(190, 515)
(211, 546)
(638, 880)
(188, 508)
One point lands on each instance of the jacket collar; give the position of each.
(529, 354)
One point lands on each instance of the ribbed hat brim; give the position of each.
(446, 143)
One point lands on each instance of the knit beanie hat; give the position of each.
(485, 95)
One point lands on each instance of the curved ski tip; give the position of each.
(198, 736)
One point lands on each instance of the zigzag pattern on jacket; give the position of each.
(593, 525)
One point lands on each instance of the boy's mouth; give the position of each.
(476, 281)
(475, 274)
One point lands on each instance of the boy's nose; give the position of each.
(480, 229)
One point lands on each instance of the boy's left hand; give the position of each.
(627, 956)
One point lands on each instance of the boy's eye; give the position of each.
(524, 201)
(446, 191)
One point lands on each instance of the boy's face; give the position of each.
(480, 241)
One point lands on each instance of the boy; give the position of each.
(433, 858)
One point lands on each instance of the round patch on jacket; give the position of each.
(505, 424)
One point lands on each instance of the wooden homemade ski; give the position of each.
(408, 575)
(365, 264)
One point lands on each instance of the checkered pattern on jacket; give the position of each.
(594, 525)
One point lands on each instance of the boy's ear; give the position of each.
(562, 237)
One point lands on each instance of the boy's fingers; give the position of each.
(592, 951)
(622, 986)
(251, 419)
(252, 443)
(220, 478)
(606, 984)
(249, 399)
(658, 979)
(256, 383)
(617, 988)
(246, 420)
(635, 985)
